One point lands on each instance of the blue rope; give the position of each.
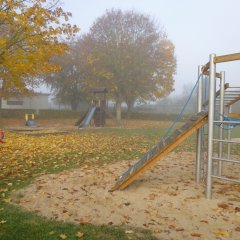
(178, 117)
(154, 150)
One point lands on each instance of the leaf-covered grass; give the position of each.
(26, 156)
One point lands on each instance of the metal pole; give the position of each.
(221, 111)
(229, 136)
(199, 131)
(212, 73)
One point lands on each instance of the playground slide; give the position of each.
(160, 150)
(88, 117)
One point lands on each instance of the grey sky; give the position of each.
(197, 28)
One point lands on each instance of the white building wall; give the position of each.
(39, 101)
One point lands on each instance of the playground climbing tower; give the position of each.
(221, 121)
(214, 107)
(100, 101)
(97, 110)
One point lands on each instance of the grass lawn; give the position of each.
(26, 156)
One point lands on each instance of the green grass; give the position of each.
(22, 225)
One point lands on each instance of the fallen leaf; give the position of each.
(194, 234)
(7, 200)
(62, 236)
(171, 227)
(129, 231)
(152, 196)
(51, 233)
(79, 234)
(179, 229)
(223, 205)
(237, 229)
(220, 232)
(237, 209)
(2, 221)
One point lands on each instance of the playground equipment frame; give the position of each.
(225, 100)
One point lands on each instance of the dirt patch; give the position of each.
(165, 200)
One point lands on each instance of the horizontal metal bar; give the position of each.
(226, 99)
(227, 179)
(227, 122)
(226, 160)
(226, 86)
(227, 141)
(234, 101)
(231, 92)
(227, 58)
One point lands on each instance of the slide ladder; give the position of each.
(160, 150)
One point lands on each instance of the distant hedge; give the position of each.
(155, 116)
(45, 114)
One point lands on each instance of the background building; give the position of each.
(37, 101)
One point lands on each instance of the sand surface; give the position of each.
(164, 199)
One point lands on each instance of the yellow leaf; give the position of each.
(220, 232)
(194, 234)
(62, 236)
(79, 234)
(7, 200)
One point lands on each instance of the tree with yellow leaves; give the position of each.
(30, 35)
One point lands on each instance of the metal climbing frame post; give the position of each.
(229, 136)
(212, 86)
(221, 113)
(199, 135)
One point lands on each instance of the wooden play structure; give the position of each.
(100, 101)
(214, 110)
(97, 110)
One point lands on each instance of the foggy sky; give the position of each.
(197, 29)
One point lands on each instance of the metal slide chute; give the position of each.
(88, 117)
(160, 150)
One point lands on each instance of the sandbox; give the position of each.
(165, 199)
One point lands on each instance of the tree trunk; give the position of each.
(74, 105)
(118, 111)
(129, 108)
